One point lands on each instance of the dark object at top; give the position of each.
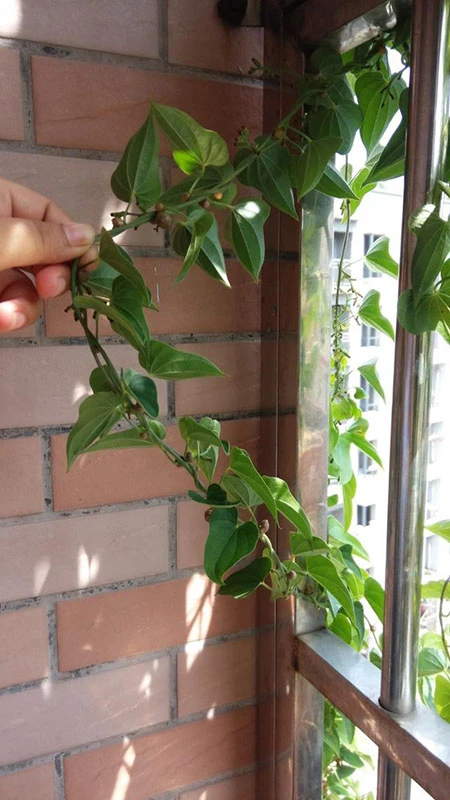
(232, 11)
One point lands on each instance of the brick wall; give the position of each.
(122, 675)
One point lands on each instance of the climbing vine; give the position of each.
(337, 97)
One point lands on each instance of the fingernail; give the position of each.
(78, 234)
(18, 320)
(61, 286)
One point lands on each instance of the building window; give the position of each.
(366, 465)
(433, 496)
(338, 244)
(437, 384)
(432, 553)
(370, 337)
(368, 403)
(369, 239)
(436, 442)
(365, 515)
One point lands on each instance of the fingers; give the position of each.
(27, 242)
(19, 201)
(52, 280)
(19, 302)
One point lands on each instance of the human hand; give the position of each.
(38, 237)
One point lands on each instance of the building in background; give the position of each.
(380, 215)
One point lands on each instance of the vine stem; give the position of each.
(441, 617)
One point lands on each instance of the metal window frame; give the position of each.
(413, 742)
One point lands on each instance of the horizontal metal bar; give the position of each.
(419, 742)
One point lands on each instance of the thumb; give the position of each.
(27, 242)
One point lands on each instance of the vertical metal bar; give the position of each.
(428, 114)
(313, 403)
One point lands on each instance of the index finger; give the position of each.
(21, 202)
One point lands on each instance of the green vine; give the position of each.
(337, 97)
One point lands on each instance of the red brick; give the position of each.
(198, 305)
(123, 624)
(100, 106)
(164, 761)
(24, 650)
(240, 788)
(238, 391)
(115, 476)
(44, 385)
(203, 40)
(64, 714)
(11, 115)
(80, 186)
(89, 25)
(76, 552)
(213, 676)
(124, 475)
(36, 782)
(21, 490)
(192, 530)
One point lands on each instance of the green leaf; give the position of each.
(441, 529)
(325, 573)
(431, 251)
(191, 430)
(342, 459)
(145, 392)
(378, 99)
(370, 313)
(374, 594)
(124, 439)
(337, 535)
(137, 175)
(407, 313)
(370, 373)
(244, 582)
(431, 662)
(97, 414)
(239, 490)
(242, 465)
(100, 280)
(362, 444)
(360, 188)
(272, 172)
(126, 299)
(119, 319)
(348, 493)
(210, 258)
(200, 227)
(193, 147)
(308, 169)
(227, 544)
(342, 627)
(100, 380)
(442, 697)
(379, 258)
(247, 222)
(287, 505)
(117, 258)
(164, 361)
(340, 122)
(215, 497)
(333, 184)
(433, 590)
(391, 162)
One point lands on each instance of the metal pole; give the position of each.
(313, 405)
(428, 115)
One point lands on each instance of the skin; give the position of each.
(38, 242)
